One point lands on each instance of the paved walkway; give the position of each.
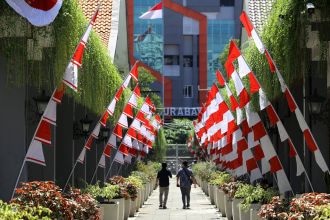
(200, 207)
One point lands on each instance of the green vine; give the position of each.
(98, 77)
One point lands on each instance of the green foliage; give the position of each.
(142, 176)
(159, 147)
(204, 170)
(17, 212)
(107, 192)
(323, 212)
(178, 131)
(135, 181)
(220, 178)
(98, 77)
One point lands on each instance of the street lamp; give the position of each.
(85, 124)
(41, 102)
(315, 102)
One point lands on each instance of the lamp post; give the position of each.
(85, 125)
(315, 103)
(41, 102)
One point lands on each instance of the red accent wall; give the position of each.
(158, 75)
(202, 19)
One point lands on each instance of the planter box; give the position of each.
(235, 208)
(254, 209)
(228, 207)
(110, 211)
(221, 201)
(215, 191)
(141, 197)
(121, 207)
(211, 191)
(127, 208)
(132, 208)
(138, 200)
(244, 214)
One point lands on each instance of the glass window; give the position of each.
(187, 61)
(171, 60)
(188, 91)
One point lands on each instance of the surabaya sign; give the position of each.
(181, 111)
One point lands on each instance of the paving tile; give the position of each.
(201, 207)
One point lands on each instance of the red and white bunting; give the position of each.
(153, 13)
(128, 110)
(112, 106)
(131, 133)
(107, 151)
(128, 159)
(82, 156)
(58, 94)
(43, 133)
(89, 142)
(35, 153)
(119, 158)
(50, 112)
(102, 161)
(96, 131)
(118, 131)
(112, 141)
(38, 13)
(123, 149)
(136, 144)
(70, 77)
(136, 125)
(119, 92)
(127, 140)
(127, 81)
(133, 152)
(134, 73)
(251, 32)
(123, 121)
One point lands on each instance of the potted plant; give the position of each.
(242, 191)
(276, 209)
(105, 196)
(229, 190)
(15, 211)
(73, 205)
(222, 178)
(137, 184)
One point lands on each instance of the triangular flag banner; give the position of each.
(112, 141)
(134, 72)
(35, 153)
(58, 94)
(128, 111)
(102, 161)
(118, 131)
(43, 133)
(38, 13)
(107, 151)
(89, 142)
(127, 80)
(50, 112)
(82, 155)
(104, 118)
(119, 157)
(154, 12)
(128, 159)
(96, 131)
(112, 106)
(71, 73)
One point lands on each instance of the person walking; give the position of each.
(184, 180)
(163, 181)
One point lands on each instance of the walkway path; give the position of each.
(201, 208)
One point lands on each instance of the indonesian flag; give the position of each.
(89, 142)
(154, 12)
(102, 161)
(134, 97)
(128, 110)
(96, 131)
(107, 151)
(135, 72)
(71, 73)
(123, 120)
(58, 94)
(82, 156)
(123, 149)
(43, 133)
(118, 131)
(127, 141)
(37, 12)
(35, 153)
(112, 106)
(251, 32)
(50, 112)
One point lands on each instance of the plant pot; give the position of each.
(132, 208)
(215, 191)
(110, 211)
(127, 208)
(121, 211)
(221, 199)
(254, 209)
(210, 189)
(244, 214)
(138, 199)
(228, 207)
(235, 208)
(142, 197)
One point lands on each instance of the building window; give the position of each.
(171, 60)
(188, 91)
(227, 3)
(187, 61)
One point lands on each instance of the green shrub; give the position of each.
(17, 212)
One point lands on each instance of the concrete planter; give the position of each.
(211, 192)
(215, 191)
(228, 207)
(221, 201)
(132, 208)
(254, 209)
(142, 197)
(127, 208)
(243, 213)
(235, 208)
(109, 211)
(138, 200)
(121, 207)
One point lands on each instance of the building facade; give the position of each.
(183, 47)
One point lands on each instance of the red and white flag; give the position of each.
(35, 153)
(154, 12)
(102, 161)
(119, 157)
(70, 77)
(82, 156)
(50, 112)
(43, 133)
(38, 12)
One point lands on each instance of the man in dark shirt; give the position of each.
(164, 182)
(184, 179)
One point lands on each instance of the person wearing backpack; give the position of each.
(184, 180)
